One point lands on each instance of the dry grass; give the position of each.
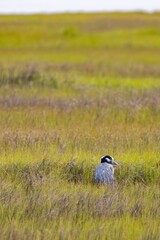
(70, 92)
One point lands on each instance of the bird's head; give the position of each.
(108, 159)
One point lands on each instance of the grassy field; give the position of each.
(74, 87)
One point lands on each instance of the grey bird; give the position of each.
(104, 173)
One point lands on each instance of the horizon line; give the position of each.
(80, 12)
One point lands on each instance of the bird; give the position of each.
(104, 173)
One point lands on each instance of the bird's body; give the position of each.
(104, 173)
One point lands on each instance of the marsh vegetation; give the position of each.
(74, 88)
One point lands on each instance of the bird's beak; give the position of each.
(114, 162)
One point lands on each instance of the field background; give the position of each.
(74, 87)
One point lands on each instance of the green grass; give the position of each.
(74, 87)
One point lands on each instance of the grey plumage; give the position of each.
(104, 173)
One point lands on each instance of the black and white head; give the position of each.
(108, 159)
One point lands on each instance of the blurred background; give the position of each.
(49, 6)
